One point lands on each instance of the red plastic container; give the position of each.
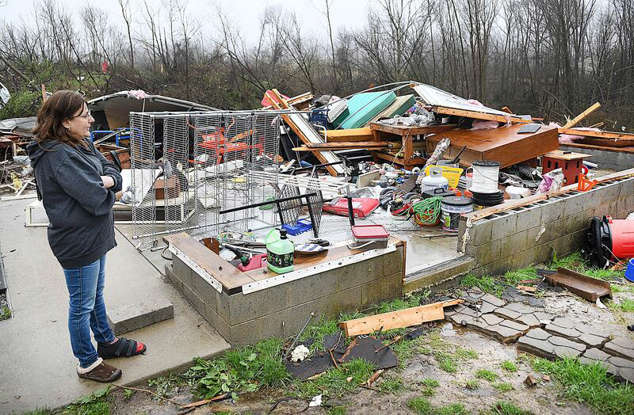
(622, 233)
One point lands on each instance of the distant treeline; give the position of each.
(550, 58)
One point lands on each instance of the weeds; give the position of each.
(94, 404)
(391, 385)
(446, 362)
(503, 386)
(318, 331)
(472, 384)
(589, 384)
(576, 262)
(337, 410)
(509, 366)
(514, 277)
(625, 304)
(507, 408)
(420, 405)
(243, 369)
(165, 384)
(486, 283)
(487, 375)
(5, 313)
(428, 386)
(335, 381)
(453, 409)
(466, 353)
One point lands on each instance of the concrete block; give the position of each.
(515, 243)
(480, 232)
(529, 218)
(124, 318)
(382, 289)
(487, 253)
(553, 230)
(552, 210)
(503, 226)
(217, 322)
(392, 262)
(182, 271)
(627, 187)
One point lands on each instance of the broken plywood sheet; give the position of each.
(504, 144)
(585, 287)
(412, 316)
(443, 103)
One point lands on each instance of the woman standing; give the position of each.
(77, 186)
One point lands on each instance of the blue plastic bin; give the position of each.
(301, 226)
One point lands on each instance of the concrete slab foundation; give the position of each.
(36, 362)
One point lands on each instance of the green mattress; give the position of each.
(363, 107)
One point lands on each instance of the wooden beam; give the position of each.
(397, 319)
(583, 115)
(598, 134)
(478, 115)
(351, 134)
(356, 144)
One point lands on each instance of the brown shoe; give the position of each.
(99, 372)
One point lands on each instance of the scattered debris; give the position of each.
(530, 381)
(300, 353)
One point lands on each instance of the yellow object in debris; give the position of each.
(452, 174)
(17, 183)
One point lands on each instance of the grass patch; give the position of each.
(589, 384)
(486, 374)
(420, 405)
(509, 366)
(472, 384)
(576, 262)
(503, 386)
(5, 313)
(625, 304)
(466, 353)
(318, 331)
(428, 386)
(486, 283)
(446, 362)
(514, 277)
(507, 408)
(337, 410)
(391, 385)
(244, 369)
(622, 288)
(334, 382)
(94, 404)
(453, 409)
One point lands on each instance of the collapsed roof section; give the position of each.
(113, 111)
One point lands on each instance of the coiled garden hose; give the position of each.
(427, 211)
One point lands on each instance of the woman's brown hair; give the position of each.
(59, 107)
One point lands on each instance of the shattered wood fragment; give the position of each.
(583, 115)
(205, 401)
(397, 319)
(526, 288)
(585, 287)
(530, 381)
(374, 377)
(478, 115)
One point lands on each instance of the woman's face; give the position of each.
(79, 125)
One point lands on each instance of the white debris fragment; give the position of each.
(316, 401)
(299, 353)
(600, 304)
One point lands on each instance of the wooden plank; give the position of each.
(629, 149)
(358, 144)
(583, 115)
(397, 319)
(607, 142)
(478, 115)
(503, 144)
(351, 134)
(598, 134)
(411, 131)
(287, 119)
(229, 276)
(565, 155)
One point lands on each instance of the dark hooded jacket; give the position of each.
(79, 207)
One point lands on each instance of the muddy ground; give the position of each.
(545, 398)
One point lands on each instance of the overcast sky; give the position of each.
(246, 14)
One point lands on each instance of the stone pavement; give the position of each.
(544, 334)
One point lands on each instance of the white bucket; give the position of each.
(485, 176)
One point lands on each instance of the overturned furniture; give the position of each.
(249, 306)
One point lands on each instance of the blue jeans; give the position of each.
(87, 310)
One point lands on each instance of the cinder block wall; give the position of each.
(532, 234)
(283, 309)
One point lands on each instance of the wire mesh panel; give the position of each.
(199, 165)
